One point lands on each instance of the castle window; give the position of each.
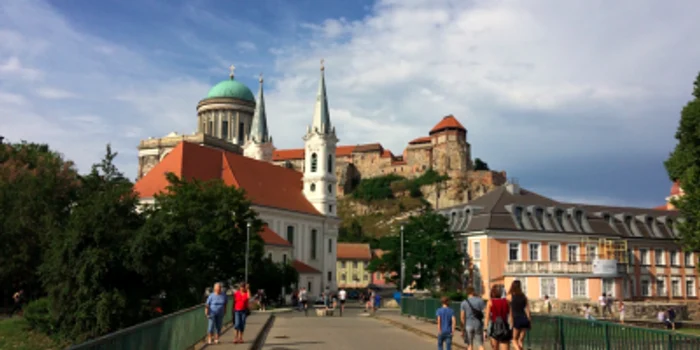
(314, 162)
(312, 187)
(330, 164)
(240, 132)
(224, 129)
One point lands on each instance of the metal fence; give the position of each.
(570, 333)
(179, 330)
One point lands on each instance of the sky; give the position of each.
(577, 100)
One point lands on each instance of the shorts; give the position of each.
(239, 320)
(521, 322)
(474, 336)
(342, 301)
(215, 323)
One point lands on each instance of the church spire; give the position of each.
(322, 118)
(258, 128)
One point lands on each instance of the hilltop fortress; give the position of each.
(231, 119)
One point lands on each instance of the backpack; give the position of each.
(500, 330)
(478, 314)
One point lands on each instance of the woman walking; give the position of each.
(497, 317)
(215, 310)
(240, 308)
(520, 311)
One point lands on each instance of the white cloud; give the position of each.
(54, 93)
(13, 67)
(10, 98)
(246, 46)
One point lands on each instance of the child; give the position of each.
(621, 306)
(547, 304)
(588, 312)
(446, 324)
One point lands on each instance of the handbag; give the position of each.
(478, 314)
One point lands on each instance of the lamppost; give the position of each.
(403, 266)
(247, 251)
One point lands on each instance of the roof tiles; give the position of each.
(448, 122)
(354, 251)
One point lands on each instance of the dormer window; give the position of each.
(539, 216)
(560, 218)
(518, 212)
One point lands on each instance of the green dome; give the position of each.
(231, 89)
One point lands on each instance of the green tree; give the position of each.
(272, 277)
(92, 288)
(430, 253)
(37, 187)
(195, 235)
(683, 165)
(480, 164)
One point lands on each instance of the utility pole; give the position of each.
(247, 251)
(403, 267)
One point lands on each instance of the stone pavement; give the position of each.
(253, 326)
(294, 331)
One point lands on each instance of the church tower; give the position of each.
(259, 145)
(319, 155)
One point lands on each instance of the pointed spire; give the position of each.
(322, 118)
(258, 129)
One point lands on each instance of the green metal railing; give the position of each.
(179, 330)
(570, 333)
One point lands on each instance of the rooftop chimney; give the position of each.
(512, 186)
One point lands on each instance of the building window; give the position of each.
(354, 264)
(579, 288)
(365, 277)
(539, 216)
(690, 287)
(644, 257)
(560, 218)
(573, 253)
(314, 162)
(579, 219)
(330, 245)
(330, 164)
(477, 250)
(646, 288)
(330, 189)
(514, 251)
(330, 209)
(330, 276)
(676, 287)
(343, 277)
(660, 287)
(342, 264)
(290, 234)
(659, 257)
(241, 132)
(548, 287)
(675, 258)
(308, 288)
(609, 286)
(314, 240)
(534, 251)
(689, 259)
(519, 216)
(312, 187)
(284, 258)
(211, 127)
(630, 257)
(224, 129)
(553, 252)
(591, 252)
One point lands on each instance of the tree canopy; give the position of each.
(683, 165)
(480, 164)
(430, 253)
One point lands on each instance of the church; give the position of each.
(232, 143)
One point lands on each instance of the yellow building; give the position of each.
(351, 265)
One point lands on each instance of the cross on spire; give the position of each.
(261, 78)
(322, 67)
(231, 69)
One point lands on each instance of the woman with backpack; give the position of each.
(496, 322)
(520, 314)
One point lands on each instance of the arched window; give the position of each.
(314, 162)
(330, 164)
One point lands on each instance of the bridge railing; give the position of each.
(179, 330)
(563, 332)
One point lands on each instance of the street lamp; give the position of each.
(403, 265)
(247, 251)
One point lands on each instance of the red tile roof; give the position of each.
(378, 253)
(661, 207)
(676, 189)
(424, 139)
(288, 154)
(303, 268)
(353, 251)
(448, 122)
(265, 184)
(340, 151)
(272, 238)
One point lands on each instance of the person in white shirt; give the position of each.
(602, 300)
(342, 294)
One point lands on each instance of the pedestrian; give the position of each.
(497, 316)
(609, 301)
(671, 318)
(547, 304)
(588, 311)
(377, 301)
(602, 302)
(472, 316)
(262, 299)
(445, 324)
(621, 306)
(240, 311)
(520, 310)
(18, 299)
(342, 294)
(215, 310)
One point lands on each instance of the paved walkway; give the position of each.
(254, 324)
(353, 331)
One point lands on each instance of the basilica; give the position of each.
(232, 143)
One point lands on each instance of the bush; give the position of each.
(453, 296)
(38, 315)
(376, 188)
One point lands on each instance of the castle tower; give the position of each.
(451, 151)
(319, 156)
(259, 145)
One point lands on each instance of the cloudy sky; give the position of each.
(578, 100)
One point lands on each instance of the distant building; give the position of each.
(351, 269)
(676, 192)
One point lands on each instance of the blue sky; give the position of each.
(578, 100)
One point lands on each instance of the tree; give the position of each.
(37, 187)
(683, 165)
(430, 253)
(195, 236)
(480, 164)
(272, 277)
(92, 288)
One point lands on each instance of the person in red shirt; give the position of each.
(240, 311)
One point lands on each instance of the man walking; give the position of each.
(342, 294)
(472, 316)
(18, 298)
(446, 323)
(303, 298)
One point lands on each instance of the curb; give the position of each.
(275, 311)
(419, 332)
